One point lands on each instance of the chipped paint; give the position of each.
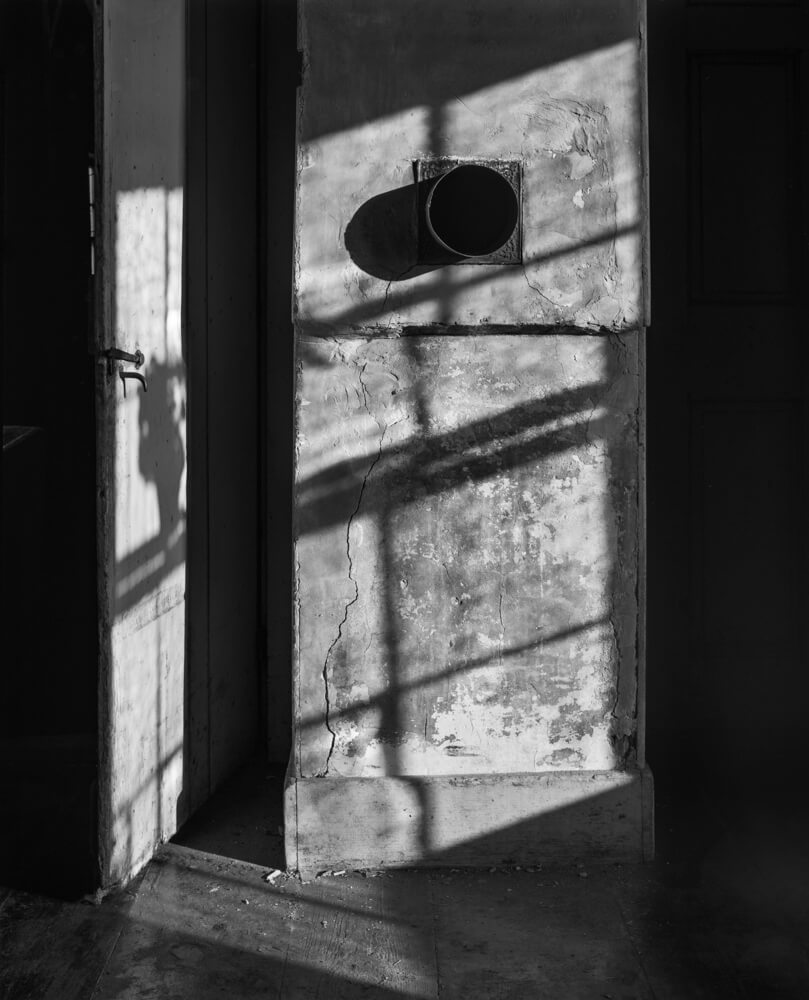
(466, 577)
(467, 484)
(566, 119)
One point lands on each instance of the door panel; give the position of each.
(231, 221)
(222, 319)
(741, 210)
(142, 434)
(181, 246)
(727, 400)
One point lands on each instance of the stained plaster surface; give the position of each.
(466, 554)
(555, 85)
(467, 444)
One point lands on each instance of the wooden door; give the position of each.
(141, 433)
(181, 667)
(727, 400)
(222, 309)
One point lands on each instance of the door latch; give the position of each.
(113, 354)
(116, 354)
(91, 200)
(125, 375)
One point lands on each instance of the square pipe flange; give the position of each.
(430, 250)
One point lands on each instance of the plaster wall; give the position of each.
(467, 554)
(468, 463)
(554, 84)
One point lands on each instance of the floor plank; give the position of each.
(360, 937)
(521, 934)
(205, 926)
(722, 915)
(243, 819)
(52, 950)
(201, 926)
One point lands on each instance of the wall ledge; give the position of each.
(469, 821)
(318, 330)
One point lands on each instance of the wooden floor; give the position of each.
(724, 914)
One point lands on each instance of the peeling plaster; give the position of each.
(567, 121)
(467, 447)
(512, 580)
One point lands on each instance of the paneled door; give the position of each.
(727, 397)
(141, 392)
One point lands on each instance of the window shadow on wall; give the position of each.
(379, 492)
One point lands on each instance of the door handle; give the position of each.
(116, 354)
(113, 354)
(140, 377)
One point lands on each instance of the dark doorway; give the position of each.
(728, 688)
(48, 717)
(242, 77)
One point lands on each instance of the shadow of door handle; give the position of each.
(136, 375)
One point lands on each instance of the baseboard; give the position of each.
(468, 820)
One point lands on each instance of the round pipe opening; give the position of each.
(472, 210)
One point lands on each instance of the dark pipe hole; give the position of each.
(472, 210)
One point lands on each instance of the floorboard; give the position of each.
(723, 914)
(243, 819)
(357, 936)
(554, 933)
(52, 950)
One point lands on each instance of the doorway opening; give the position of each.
(727, 582)
(237, 114)
(48, 714)
(242, 77)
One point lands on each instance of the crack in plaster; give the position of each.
(539, 292)
(589, 419)
(384, 302)
(502, 641)
(621, 738)
(297, 633)
(640, 564)
(356, 597)
(560, 362)
(623, 351)
(616, 641)
(614, 335)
